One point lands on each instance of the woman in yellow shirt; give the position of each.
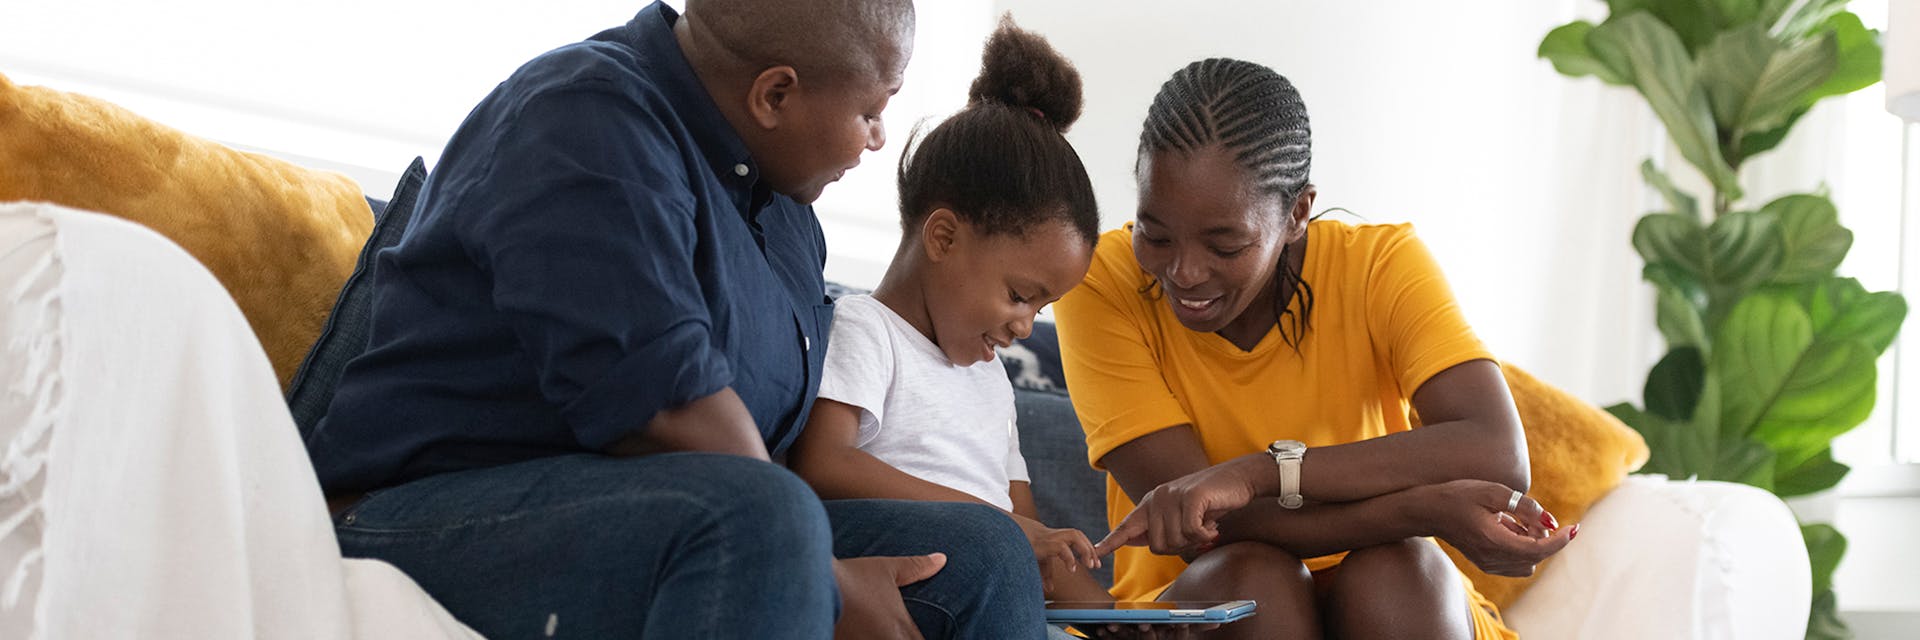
(1225, 350)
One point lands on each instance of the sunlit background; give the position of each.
(1523, 182)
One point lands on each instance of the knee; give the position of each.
(1250, 567)
(764, 502)
(1412, 561)
(982, 535)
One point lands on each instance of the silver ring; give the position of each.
(1514, 502)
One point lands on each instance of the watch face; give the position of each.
(1293, 501)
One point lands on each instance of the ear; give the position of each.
(770, 98)
(1301, 214)
(939, 233)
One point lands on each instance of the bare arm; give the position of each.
(1073, 585)
(718, 423)
(1471, 431)
(1474, 434)
(825, 456)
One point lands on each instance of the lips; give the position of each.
(1191, 308)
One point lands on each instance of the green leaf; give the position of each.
(1811, 235)
(1808, 19)
(1755, 350)
(1766, 12)
(1823, 620)
(1675, 449)
(1842, 310)
(1857, 58)
(1659, 65)
(1673, 239)
(1745, 249)
(1681, 281)
(1816, 474)
(1691, 20)
(1744, 461)
(1753, 82)
(1679, 320)
(1830, 391)
(1566, 48)
(1781, 387)
(1682, 202)
(1673, 387)
(1825, 545)
(1753, 144)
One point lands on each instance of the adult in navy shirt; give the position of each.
(608, 317)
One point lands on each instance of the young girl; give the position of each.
(999, 220)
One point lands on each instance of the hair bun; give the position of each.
(1021, 70)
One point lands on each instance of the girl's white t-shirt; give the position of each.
(949, 425)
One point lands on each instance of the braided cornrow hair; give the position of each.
(1255, 114)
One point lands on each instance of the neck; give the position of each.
(1264, 312)
(904, 291)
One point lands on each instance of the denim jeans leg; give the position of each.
(990, 587)
(583, 546)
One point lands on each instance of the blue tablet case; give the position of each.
(1158, 613)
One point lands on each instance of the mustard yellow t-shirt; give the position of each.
(1383, 322)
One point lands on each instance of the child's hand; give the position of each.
(1060, 550)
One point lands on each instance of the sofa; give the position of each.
(1657, 557)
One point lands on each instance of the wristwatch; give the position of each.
(1287, 455)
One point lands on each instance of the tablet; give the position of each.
(1148, 612)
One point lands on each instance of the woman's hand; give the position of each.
(1183, 515)
(1472, 515)
(870, 595)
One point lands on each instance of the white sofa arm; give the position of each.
(1658, 558)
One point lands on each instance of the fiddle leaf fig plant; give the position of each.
(1770, 353)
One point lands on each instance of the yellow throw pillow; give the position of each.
(281, 238)
(1578, 453)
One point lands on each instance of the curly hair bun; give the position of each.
(1021, 70)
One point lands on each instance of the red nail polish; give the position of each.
(1574, 531)
(1546, 520)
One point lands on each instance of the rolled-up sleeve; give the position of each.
(591, 251)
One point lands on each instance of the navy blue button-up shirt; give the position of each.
(595, 246)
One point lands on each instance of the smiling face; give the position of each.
(1211, 238)
(984, 289)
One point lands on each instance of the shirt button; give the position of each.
(740, 170)
(806, 343)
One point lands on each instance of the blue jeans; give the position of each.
(680, 546)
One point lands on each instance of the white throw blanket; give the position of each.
(152, 484)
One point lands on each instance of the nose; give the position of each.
(876, 135)
(1188, 269)
(1022, 327)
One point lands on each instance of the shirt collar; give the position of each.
(651, 33)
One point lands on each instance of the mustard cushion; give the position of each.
(1577, 452)
(281, 238)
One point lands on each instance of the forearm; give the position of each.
(1322, 528)
(1429, 455)
(846, 473)
(1375, 467)
(718, 423)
